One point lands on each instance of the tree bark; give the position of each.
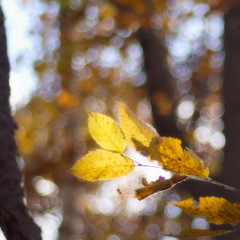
(231, 96)
(15, 221)
(231, 100)
(159, 84)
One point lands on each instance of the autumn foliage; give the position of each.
(112, 162)
(155, 56)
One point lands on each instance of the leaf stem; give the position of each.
(224, 186)
(140, 164)
(143, 165)
(209, 180)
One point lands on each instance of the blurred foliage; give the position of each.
(91, 57)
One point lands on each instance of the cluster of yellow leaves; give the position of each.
(106, 163)
(111, 162)
(167, 151)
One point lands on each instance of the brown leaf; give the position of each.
(145, 182)
(158, 186)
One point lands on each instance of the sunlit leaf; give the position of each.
(216, 210)
(102, 165)
(158, 186)
(198, 233)
(140, 136)
(106, 132)
(167, 151)
(175, 159)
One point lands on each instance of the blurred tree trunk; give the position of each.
(231, 89)
(158, 81)
(15, 221)
(159, 84)
(231, 99)
(230, 174)
(161, 96)
(159, 87)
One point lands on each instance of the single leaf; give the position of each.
(102, 165)
(160, 185)
(216, 210)
(140, 136)
(106, 132)
(175, 159)
(198, 233)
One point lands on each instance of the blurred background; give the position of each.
(164, 60)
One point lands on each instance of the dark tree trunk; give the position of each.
(231, 89)
(160, 90)
(231, 96)
(15, 221)
(159, 84)
(230, 174)
(158, 80)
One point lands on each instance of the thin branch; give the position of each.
(209, 180)
(222, 185)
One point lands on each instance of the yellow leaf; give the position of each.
(140, 136)
(102, 165)
(175, 159)
(167, 151)
(217, 210)
(157, 186)
(198, 233)
(106, 132)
